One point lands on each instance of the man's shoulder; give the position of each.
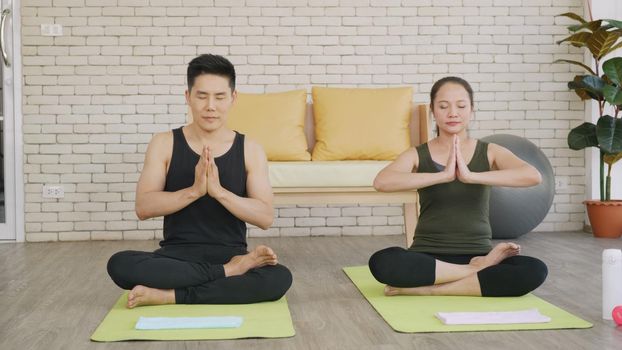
(252, 145)
(161, 142)
(253, 150)
(162, 137)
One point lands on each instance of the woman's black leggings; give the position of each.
(514, 276)
(197, 275)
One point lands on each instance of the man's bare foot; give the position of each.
(258, 257)
(141, 295)
(391, 291)
(496, 255)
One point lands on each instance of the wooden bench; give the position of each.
(360, 194)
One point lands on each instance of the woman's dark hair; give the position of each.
(455, 80)
(210, 64)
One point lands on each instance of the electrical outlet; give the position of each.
(48, 29)
(561, 183)
(53, 192)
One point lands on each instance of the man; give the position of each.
(207, 181)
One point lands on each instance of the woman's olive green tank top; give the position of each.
(454, 216)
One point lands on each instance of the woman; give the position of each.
(452, 252)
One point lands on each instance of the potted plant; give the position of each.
(600, 37)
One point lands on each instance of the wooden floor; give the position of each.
(54, 295)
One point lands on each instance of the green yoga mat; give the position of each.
(415, 314)
(261, 320)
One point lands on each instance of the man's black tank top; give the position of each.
(205, 221)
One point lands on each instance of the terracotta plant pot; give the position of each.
(605, 218)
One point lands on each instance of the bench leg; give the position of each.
(410, 221)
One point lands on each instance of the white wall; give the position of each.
(602, 9)
(94, 96)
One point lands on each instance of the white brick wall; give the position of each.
(93, 97)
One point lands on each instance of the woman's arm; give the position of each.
(399, 175)
(507, 170)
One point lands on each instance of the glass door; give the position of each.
(7, 123)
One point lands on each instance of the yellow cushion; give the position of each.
(274, 120)
(348, 173)
(361, 124)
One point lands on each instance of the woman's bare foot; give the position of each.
(391, 291)
(496, 255)
(258, 257)
(141, 295)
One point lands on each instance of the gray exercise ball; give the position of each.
(515, 211)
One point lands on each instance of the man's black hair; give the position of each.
(211, 64)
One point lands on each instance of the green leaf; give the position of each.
(609, 134)
(612, 94)
(613, 69)
(606, 79)
(591, 26)
(593, 85)
(601, 41)
(611, 159)
(594, 25)
(576, 27)
(578, 39)
(584, 95)
(615, 23)
(577, 63)
(583, 136)
(573, 16)
(577, 86)
(588, 86)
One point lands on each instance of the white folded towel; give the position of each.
(188, 322)
(501, 317)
